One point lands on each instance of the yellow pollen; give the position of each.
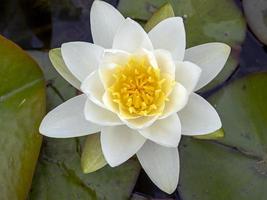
(140, 89)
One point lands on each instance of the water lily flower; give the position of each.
(138, 91)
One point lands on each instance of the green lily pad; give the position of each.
(234, 167)
(22, 106)
(256, 14)
(205, 21)
(58, 89)
(59, 173)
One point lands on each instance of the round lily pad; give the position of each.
(234, 167)
(256, 14)
(22, 106)
(205, 21)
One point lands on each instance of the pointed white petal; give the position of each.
(170, 35)
(198, 117)
(187, 74)
(119, 143)
(81, 58)
(177, 100)
(166, 132)
(105, 21)
(210, 57)
(165, 62)
(93, 87)
(140, 122)
(67, 120)
(131, 37)
(161, 164)
(99, 115)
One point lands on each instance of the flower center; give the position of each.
(140, 89)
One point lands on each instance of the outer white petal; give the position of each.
(131, 37)
(140, 122)
(81, 58)
(177, 100)
(210, 57)
(93, 87)
(166, 132)
(188, 75)
(119, 143)
(99, 115)
(105, 21)
(67, 120)
(161, 164)
(170, 35)
(199, 117)
(165, 62)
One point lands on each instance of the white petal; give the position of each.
(143, 53)
(131, 37)
(109, 104)
(119, 143)
(177, 100)
(210, 57)
(161, 164)
(169, 34)
(67, 120)
(99, 115)
(199, 117)
(166, 132)
(115, 56)
(165, 62)
(81, 58)
(105, 21)
(111, 59)
(140, 122)
(93, 87)
(187, 74)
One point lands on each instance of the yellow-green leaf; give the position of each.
(92, 157)
(212, 136)
(22, 106)
(58, 63)
(162, 13)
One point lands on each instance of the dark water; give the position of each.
(45, 24)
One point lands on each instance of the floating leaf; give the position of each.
(58, 89)
(162, 13)
(59, 174)
(205, 21)
(92, 156)
(256, 14)
(234, 167)
(22, 106)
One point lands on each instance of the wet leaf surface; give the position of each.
(22, 106)
(234, 167)
(256, 14)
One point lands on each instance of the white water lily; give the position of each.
(138, 91)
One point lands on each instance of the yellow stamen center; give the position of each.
(139, 88)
